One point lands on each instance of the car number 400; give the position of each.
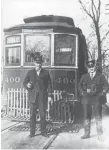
(12, 79)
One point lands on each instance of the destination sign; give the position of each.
(13, 39)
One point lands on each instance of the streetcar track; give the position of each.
(48, 144)
(7, 128)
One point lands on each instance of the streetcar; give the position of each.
(64, 50)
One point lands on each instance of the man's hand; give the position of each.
(50, 98)
(88, 90)
(103, 92)
(29, 85)
(50, 95)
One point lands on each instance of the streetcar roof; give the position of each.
(57, 23)
(49, 18)
(56, 26)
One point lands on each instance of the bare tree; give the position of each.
(92, 8)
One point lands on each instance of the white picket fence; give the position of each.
(18, 105)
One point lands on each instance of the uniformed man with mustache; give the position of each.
(93, 88)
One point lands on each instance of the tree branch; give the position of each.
(104, 36)
(99, 9)
(99, 58)
(92, 7)
(105, 66)
(84, 9)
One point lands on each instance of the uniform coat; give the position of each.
(97, 85)
(40, 85)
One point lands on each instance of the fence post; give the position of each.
(8, 102)
(14, 103)
(17, 102)
(20, 102)
(11, 91)
(26, 99)
(23, 98)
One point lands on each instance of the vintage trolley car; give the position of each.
(64, 50)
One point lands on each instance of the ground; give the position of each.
(69, 140)
(17, 138)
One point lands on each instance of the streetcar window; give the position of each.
(12, 56)
(37, 43)
(65, 49)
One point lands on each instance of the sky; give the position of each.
(14, 11)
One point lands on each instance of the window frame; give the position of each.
(14, 64)
(29, 64)
(76, 53)
(11, 45)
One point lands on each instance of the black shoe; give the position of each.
(31, 135)
(85, 136)
(44, 134)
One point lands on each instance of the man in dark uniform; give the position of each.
(38, 83)
(93, 86)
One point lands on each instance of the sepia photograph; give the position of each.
(54, 74)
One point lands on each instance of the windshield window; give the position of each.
(65, 50)
(37, 43)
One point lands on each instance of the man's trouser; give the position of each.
(97, 108)
(33, 113)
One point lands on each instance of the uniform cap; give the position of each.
(90, 63)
